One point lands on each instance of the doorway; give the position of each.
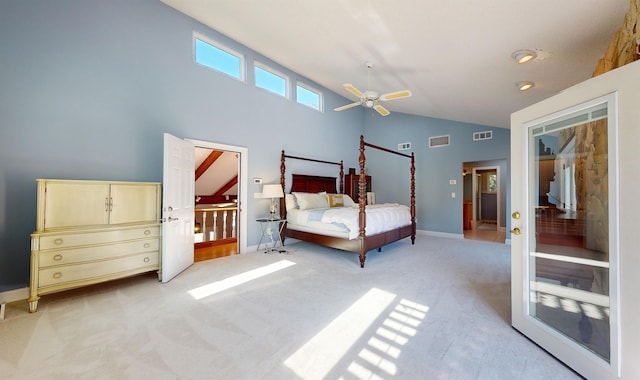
(216, 203)
(220, 183)
(486, 192)
(482, 201)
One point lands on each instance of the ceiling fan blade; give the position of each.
(347, 106)
(381, 110)
(395, 95)
(349, 87)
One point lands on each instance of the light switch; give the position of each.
(452, 182)
(453, 195)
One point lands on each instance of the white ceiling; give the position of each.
(455, 56)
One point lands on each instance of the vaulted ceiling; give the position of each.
(455, 56)
(216, 177)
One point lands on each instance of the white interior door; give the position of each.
(177, 206)
(564, 254)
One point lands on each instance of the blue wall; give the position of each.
(89, 87)
(435, 167)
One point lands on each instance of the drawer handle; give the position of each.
(147, 259)
(147, 232)
(57, 275)
(57, 257)
(58, 241)
(147, 245)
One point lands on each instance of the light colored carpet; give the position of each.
(436, 310)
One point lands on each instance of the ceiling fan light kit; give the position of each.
(371, 99)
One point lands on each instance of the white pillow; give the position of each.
(307, 201)
(348, 202)
(290, 202)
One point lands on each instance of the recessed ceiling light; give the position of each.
(523, 56)
(524, 85)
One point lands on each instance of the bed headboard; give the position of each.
(308, 183)
(313, 184)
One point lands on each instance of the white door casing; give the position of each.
(177, 206)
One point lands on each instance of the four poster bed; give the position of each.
(316, 212)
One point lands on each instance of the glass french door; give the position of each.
(568, 235)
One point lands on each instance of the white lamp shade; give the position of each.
(272, 191)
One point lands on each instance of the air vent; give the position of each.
(438, 141)
(404, 146)
(479, 136)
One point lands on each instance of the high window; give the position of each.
(218, 57)
(271, 80)
(308, 96)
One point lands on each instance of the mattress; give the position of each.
(343, 221)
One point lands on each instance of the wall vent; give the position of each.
(479, 136)
(437, 141)
(404, 146)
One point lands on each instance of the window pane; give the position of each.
(308, 97)
(493, 183)
(570, 240)
(216, 58)
(270, 81)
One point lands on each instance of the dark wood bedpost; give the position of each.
(341, 177)
(413, 198)
(283, 208)
(362, 202)
(283, 202)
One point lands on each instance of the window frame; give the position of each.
(220, 46)
(274, 72)
(311, 89)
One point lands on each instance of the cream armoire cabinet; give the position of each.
(93, 231)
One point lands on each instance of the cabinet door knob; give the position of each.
(147, 259)
(58, 241)
(147, 232)
(57, 257)
(57, 275)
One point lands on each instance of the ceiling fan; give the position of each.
(371, 99)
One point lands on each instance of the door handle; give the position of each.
(515, 231)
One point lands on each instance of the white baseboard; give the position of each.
(440, 234)
(14, 295)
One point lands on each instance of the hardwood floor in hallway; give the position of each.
(486, 233)
(213, 251)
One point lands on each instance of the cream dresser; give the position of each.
(93, 231)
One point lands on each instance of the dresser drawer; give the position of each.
(66, 240)
(99, 252)
(94, 270)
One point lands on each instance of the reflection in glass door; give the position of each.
(569, 221)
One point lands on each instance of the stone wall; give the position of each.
(624, 47)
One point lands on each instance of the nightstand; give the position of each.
(267, 229)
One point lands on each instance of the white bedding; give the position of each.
(338, 221)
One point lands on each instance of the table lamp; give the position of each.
(272, 191)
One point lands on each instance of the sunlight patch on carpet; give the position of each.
(316, 358)
(378, 353)
(230, 282)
